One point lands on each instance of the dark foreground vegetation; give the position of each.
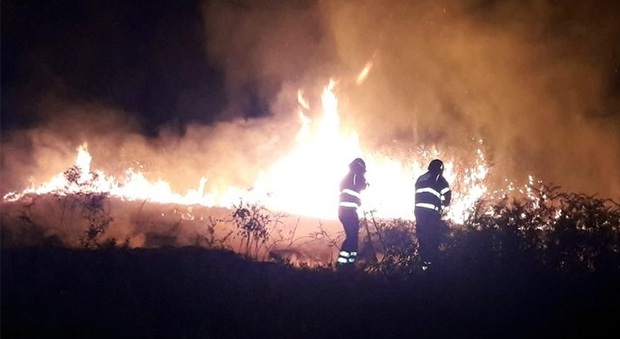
(544, 266)
(195, 292)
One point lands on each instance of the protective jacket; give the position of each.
(432, 192)
(350, 188)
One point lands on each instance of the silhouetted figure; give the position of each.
(432, 194)
(350, 200)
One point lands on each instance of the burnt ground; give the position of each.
(199, 293)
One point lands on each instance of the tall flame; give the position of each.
(304, 182)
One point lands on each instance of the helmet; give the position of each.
(435, 166)
(358, 165)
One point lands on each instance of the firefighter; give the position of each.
(350, 200)
(432, 194)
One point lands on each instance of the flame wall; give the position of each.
(538, 81)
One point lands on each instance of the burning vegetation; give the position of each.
(544, 264)
(289, 213)
(211, 137)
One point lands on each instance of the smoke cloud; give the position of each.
(538, 81)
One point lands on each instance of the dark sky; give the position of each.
(156, 60)
(538, 80)
(138, 56)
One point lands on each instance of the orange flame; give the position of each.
(304, 182)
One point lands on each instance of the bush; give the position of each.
(392, 245)
(254, 224)
(565, 232)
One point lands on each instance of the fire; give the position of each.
(80, 179)
(364, 73)
(304, 182)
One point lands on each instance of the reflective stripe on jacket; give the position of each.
(350, 189)
(432, 192)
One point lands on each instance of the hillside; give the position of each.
(541, 267)
(194, 292)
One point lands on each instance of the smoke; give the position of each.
(534, 79)
(227, 153)
(262, 45)
(538, 81)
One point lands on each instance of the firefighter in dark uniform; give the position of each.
(432, 194)
(350, 200)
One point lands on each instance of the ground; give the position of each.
(194, 292)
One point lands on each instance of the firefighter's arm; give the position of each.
(446, 199)
(446, 196)
(360, 182)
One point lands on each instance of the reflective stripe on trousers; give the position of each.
(345, 257)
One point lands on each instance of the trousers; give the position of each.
(351, 224)
(429, 230)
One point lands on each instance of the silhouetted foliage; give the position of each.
(28, 233)
(564, 232)
(545, 228)
(254, 224)
(393, 246)
(97, 219)
(542, 265)
(93, 207)
(211, 240)
(560, 231)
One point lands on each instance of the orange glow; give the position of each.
(364, 73)
(305, 181)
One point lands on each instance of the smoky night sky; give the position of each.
(208, 88)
